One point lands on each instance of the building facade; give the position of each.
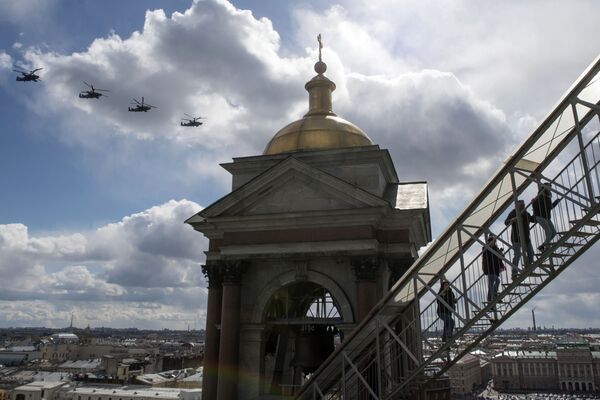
(465, 375)
(313, 234)
(564, 369)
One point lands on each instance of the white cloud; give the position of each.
(5, 60)
(150, 257)
(449, 89)
(25, 10)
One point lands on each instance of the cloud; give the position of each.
(5, 60)
(221, 62)
(212, 60)
(150, 257)
(449, 90)
(436, 129)
(25, 11)
(140, 315)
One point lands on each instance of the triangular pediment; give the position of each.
(292, 186)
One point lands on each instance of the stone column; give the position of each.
(213, 318)
(230, 332)
(251, 363)
(365, 269)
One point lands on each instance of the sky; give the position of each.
(93, 198)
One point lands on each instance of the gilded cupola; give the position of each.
(320, 128)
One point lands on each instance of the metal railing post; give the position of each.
(463, 274)
(584, 160)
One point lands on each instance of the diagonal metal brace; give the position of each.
(397, 339)
(359, 375)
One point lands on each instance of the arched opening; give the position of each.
(570, 386)
(301, 330)
(564, 386)
(20, 396)
(577, 386)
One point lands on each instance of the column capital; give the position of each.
(231, 271)
(365, 267)
(212, 274)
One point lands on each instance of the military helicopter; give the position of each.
(192, 121)
(139, 107)
(27, 76)
(91, 94)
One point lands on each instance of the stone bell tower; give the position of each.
(312, 235)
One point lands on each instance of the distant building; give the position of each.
(106, 392)
(59, 351)
(183, 378)
(18, 355)
(65, 337)
(80, 366)
(40, 390)
(465, 375)
(569, 369)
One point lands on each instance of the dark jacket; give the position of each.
(448, 296)
(527, 220)
(542, 205)
(491, 264)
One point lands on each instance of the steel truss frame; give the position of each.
(392, 352)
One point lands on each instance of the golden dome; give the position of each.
(320, 128)
(317, 132)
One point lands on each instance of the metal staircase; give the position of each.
(396, 350)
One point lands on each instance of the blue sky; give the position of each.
(85, 185)
(46, 174)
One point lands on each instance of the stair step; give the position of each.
(591, 222)
(554, 254)
(536, 275)
(579, 234)
(550, 267)
(567, 244)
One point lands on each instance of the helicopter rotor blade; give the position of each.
(87, 84)
(137, 102)
(36, 70)
(102, 90)
(19, 69)
(186, 114)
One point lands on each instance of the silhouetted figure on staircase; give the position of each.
(519, 213)
(444, 311)
(492, 265)
(542, 212)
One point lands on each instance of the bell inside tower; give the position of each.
(301, 331)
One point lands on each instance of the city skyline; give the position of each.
(91, 221)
